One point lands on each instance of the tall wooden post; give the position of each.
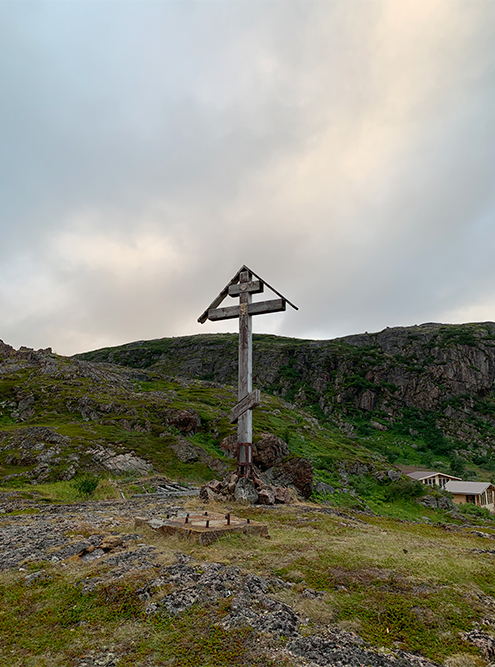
(245, 420)
(244, 286)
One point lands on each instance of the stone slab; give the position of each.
(193, 526)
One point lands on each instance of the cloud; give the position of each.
(343, 150)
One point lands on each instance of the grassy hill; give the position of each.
(420, 395)
(81, 586)
(63, 417)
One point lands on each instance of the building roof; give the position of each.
(467, 488)
(424, 474)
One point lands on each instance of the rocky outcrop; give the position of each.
(255, 603)
(188, 422)
(483, 641)
(186, 452)
(269, 451)
(437, 501)
(435, 379)
(296, 472)
(117, 463)
(42, 448)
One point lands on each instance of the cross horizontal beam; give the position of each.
(224, 293)
(254, 287)
(258, 308)
(249, 402)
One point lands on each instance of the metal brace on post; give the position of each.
(244, 286)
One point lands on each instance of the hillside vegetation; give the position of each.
(65, 417)
(419, 395)
(362, 574)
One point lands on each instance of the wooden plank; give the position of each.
(272, 288)
(252, 287)
(229, 313)
(272, 306)
(245, 384)
(258, 308)
(247, 403)
(218, 300)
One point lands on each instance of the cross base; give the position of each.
(244, 459)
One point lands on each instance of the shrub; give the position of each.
(457, 466)
(403, 488)
(474, 510)
(87, 485)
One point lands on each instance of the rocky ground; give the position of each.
(102, 535)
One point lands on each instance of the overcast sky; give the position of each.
(345, 150)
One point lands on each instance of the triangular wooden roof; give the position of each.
(224, 293)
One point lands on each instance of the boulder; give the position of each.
(296, 472)
(282, 495)
(269, 451)
(206, 494)
(215, 485)
(245, 490)
(185, 452)
(266, 496)
(188, 422)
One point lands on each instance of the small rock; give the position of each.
(266, 496)
(324, 488)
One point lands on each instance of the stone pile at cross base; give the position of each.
(278, 477)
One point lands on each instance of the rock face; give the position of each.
(297, 472)
(435, 379)
(188, 422)
(269, 451)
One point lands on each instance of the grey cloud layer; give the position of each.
(343, 150)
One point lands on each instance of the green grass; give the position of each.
(56, 623)
(400, 584)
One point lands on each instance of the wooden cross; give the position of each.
(244, 284)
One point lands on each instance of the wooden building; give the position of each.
(481, 494)
(430, 478)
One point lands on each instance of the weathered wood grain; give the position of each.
(258, 308)
(252, 400)
(253, 287)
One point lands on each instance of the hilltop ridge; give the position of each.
(429, 386)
